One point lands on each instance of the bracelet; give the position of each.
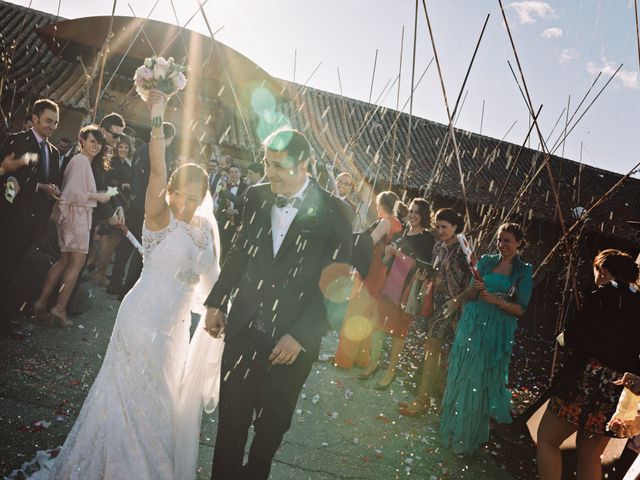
(156, 137)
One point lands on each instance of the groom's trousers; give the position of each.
(251, 385)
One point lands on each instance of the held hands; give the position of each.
(214, 322)
(286, 351)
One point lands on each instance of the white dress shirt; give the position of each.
(282, 218)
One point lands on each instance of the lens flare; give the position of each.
(357, 328)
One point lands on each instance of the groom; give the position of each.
(291, 231)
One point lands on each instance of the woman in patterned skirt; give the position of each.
(604, 342)
(452, 277)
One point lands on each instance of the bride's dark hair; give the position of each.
(189, 173)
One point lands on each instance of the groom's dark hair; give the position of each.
(290, 140)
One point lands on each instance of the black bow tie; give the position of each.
(281, 202)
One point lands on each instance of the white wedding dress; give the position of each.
(141, 418)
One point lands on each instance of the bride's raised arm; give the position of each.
(155, 205)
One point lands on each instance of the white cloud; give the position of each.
(553, 32)
(529, 10)
(567, 55)
(626, 78)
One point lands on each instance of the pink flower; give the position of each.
(142, 75)
(160, 68)
(179, 81)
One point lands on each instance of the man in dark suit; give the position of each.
(230, 206)
(29, 185)
(291, 231)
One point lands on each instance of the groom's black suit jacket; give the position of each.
(284, 291)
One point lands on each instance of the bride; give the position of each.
(141, 418)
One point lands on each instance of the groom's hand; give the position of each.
(286, 351)
(214, 322)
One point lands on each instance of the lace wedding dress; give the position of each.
(141, 418)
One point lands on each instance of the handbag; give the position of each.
(419, 298)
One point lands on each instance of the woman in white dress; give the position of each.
(141, 418)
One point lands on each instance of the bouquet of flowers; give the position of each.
(159, 74)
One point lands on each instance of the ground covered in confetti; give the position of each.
(342, 429)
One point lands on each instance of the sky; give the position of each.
(562, 45)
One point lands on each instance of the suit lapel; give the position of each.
(308, 208)
(263, 217)
(34, 146)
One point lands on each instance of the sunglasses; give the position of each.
(115, 135)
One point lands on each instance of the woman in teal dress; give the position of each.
(479, 361)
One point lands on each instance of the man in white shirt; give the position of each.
(292, 230)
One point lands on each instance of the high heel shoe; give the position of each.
(384, 386)
(40, 312)
(59, 317)
(367, 376)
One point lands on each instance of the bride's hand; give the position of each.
(156, 97)
(214, 322)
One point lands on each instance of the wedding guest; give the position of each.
(109, 213)
(415, 242)
(402, 212)
(72, 214)
(212, 170)
(119, 176)
(112, 128)
(230, 205)
(131, 133)
(32, 172)
(452, 276)
(602, 339)
(277, 319)
(119, 284)
(220, 180)
(344, 186)
(255, 173)
(384, 230)
(65, 147)
(27, 123)
(479, 361)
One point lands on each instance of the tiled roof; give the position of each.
(359, 136)
(32, 68)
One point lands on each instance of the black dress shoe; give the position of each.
(365, 376)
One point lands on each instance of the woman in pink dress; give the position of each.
(73, 220)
